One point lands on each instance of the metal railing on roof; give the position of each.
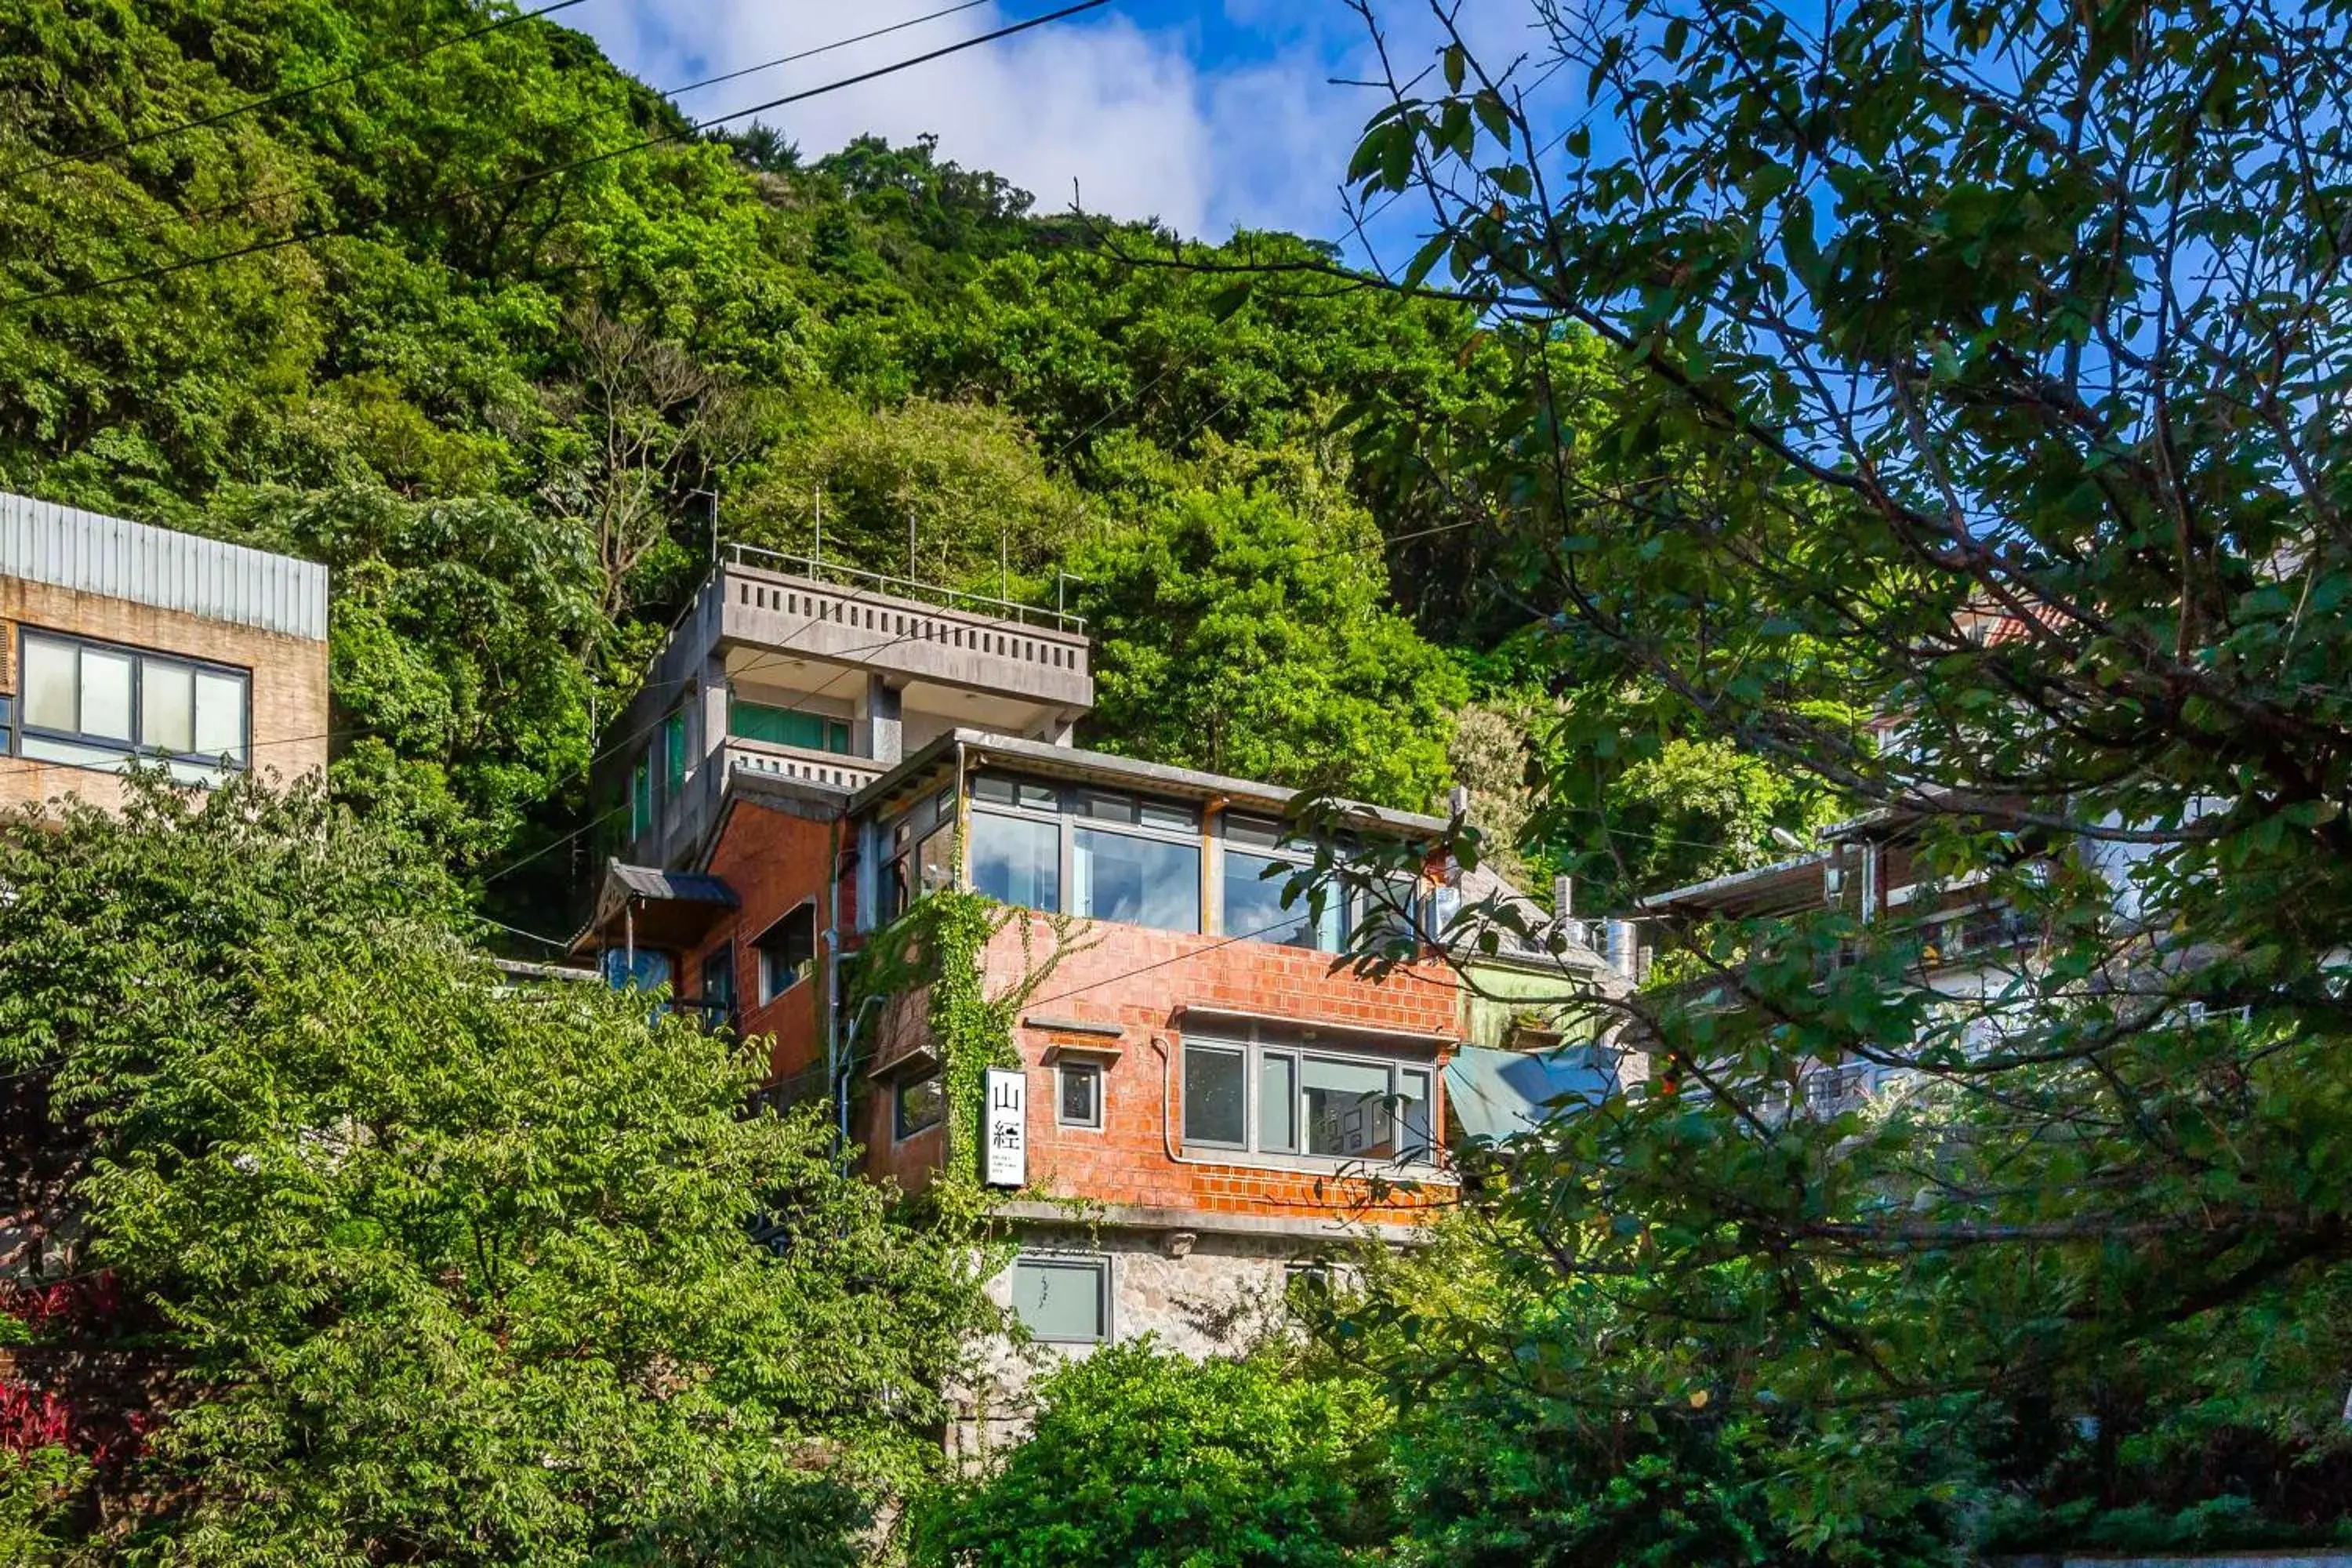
(840, 576)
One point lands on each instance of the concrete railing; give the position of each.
(898, 623)
(801, 762)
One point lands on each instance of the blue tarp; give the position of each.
(1497, 1094)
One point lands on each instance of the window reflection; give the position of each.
(1017, 861)
(1142, 881)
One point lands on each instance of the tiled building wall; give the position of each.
(1140, 982)
(289, 716)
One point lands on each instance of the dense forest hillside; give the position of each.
(483, 322)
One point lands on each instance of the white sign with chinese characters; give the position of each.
(1005, 1129)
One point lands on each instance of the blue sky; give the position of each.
(1209, 115)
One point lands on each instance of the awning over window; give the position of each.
(1499, 1094)
(666, 909)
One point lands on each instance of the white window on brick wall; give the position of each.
(1272, 1096)
(99, 706)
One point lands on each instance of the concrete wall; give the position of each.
(288, 719)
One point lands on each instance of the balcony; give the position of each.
(771, 760)
(914, 631)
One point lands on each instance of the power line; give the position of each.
(820, 49)
(288, 94)
(553, 171)
(247, 204)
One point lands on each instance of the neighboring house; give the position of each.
(1209, 1103)
(1535, 1045)
(1971, 945)
(120, 643)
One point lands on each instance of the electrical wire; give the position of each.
(736, 75)
(576, 166)
(288, 94)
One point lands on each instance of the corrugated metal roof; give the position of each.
(685, 886)
(92, 553)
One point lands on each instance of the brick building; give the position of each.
(122, 643)
(1210, 1101)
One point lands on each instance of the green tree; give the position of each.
(1147, 1460)
(1235, 632)
(1983, 358)
(448, 1271)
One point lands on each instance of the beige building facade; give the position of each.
(123, 644)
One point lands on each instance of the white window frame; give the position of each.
(1255, 1043)
(108, 753)
(1107, 1287)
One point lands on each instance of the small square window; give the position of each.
(787, 952)
(1063, 1299)
(917, 1105)
(1079, 1099)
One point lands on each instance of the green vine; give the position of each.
(939, 942)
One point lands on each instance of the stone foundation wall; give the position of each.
(1200, 1294)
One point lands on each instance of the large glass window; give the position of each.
(786, 726)
(1346, 1110)
(96, 705)
(1140, 881)
(1216, 1096)
(1271, 1097)
(1017, 860)
(1254, 909)
(1066, 1300)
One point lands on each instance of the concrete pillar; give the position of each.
(713, 738)
(884, 735)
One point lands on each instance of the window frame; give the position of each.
(1018, 810)
(1067, 806)
(677, 751)
(719, 963)
(833, 727)
(766, 945)
(641, 795)
(899, 1087)
(1106, 1295)
(1094, 1070)
(1257, 1044)
(15, 729)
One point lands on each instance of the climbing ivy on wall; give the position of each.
(940, 943)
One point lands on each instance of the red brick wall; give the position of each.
(1140, 981)
(773, 861)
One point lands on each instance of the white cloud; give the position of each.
(1122, 111)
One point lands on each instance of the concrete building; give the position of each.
(120, 643)
(1207, 1098)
